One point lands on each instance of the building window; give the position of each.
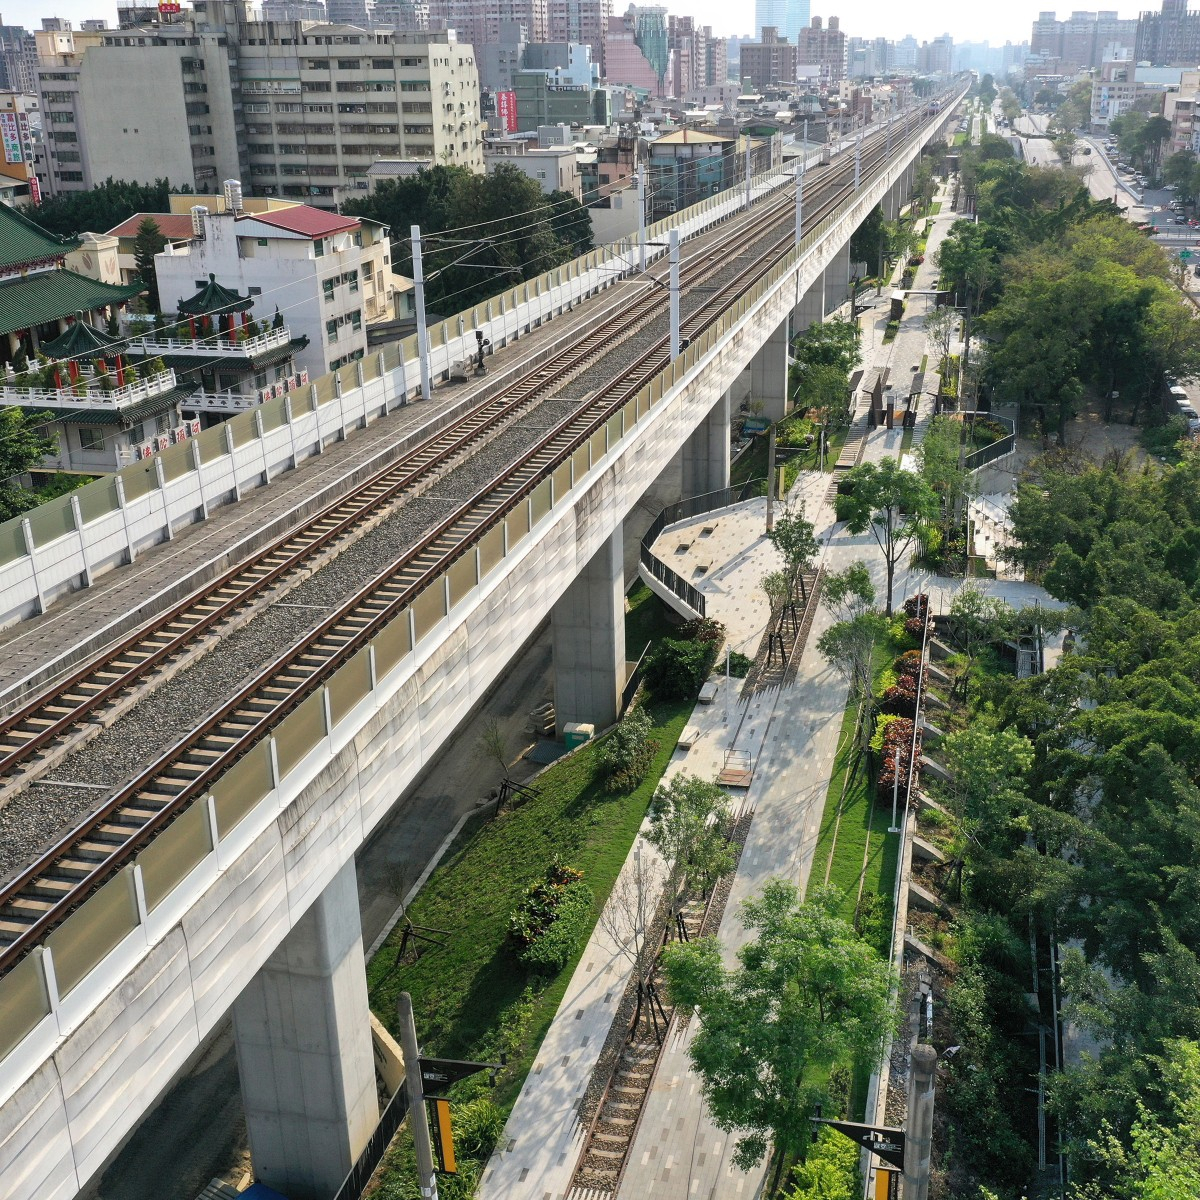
(348, 64)
(90, 439)
(255, 291)
(319, 248)
(356, 319)
(327, 288)
(331, 330)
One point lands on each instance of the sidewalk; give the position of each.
(792, 735)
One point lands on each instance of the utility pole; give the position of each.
(422, 329)
(858, 161)
(747, 170)
(641, 193)
(418, 1118)
(799, 201)
(673, 245)
(918, 1142)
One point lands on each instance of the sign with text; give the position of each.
(10, 135)
(883, 1140)
(887, 1184)
(506, 110)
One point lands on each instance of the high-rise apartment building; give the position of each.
(18, 59)
(478, 21)
(769, 61)
(936, 57)
(1082, 39)
(823, 47)
(580, 21)
(292, 109)
(1170, 37)
(786, 17)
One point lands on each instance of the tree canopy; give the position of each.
(101, 208)
(807, 995)
(500, 229)
(895, 505)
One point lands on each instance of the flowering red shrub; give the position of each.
(915, 627)
(897, 746)
(901, 698)
(907, 663)
(917, 606)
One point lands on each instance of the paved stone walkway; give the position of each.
(791, 734)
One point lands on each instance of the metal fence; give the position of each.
(393, 1116)
(691, 507)
(998, 449)
(635, 677)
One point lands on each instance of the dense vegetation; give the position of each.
(100, 208)
(1076, 303)
(1080, 805)
(500, 229)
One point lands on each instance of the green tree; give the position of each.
(688, 825)
(987, 91)
(940, 461)
(807, 995)
(500, 229)
(148, 242)
(849, 593)
(101, 208)
(987, 797)
(1180, 169)
(892, 503)
(24, 443)
(833, 343)
(793, 536)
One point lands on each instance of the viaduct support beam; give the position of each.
(706, 453)
(588, 625)
(768, 375)
(303, 1034)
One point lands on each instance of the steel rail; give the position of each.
(49, 888)
(46, 721)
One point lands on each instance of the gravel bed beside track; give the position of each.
(33, 817)
(489, 460)
(610, 366)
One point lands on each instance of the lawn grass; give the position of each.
(936, 208)
(471, 997)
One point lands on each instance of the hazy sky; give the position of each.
(860, 18)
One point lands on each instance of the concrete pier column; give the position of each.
(588, 626)
(811, 309)
(892, 202)
(706, 452)
(303, 1033)
(837, 279)
(768, 371)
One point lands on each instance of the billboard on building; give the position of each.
(10, 135)
(506, 110)
(169, 6)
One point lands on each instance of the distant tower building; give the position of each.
(786, 17)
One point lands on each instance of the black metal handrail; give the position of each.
(390, 1121)
(998, 449)
(693, 506)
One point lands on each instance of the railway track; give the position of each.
(48, 889)
(41, 731)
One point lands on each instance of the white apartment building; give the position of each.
(294, 109)
(328, 275)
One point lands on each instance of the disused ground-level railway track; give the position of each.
(39, 897)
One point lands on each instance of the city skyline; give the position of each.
(859, 18)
